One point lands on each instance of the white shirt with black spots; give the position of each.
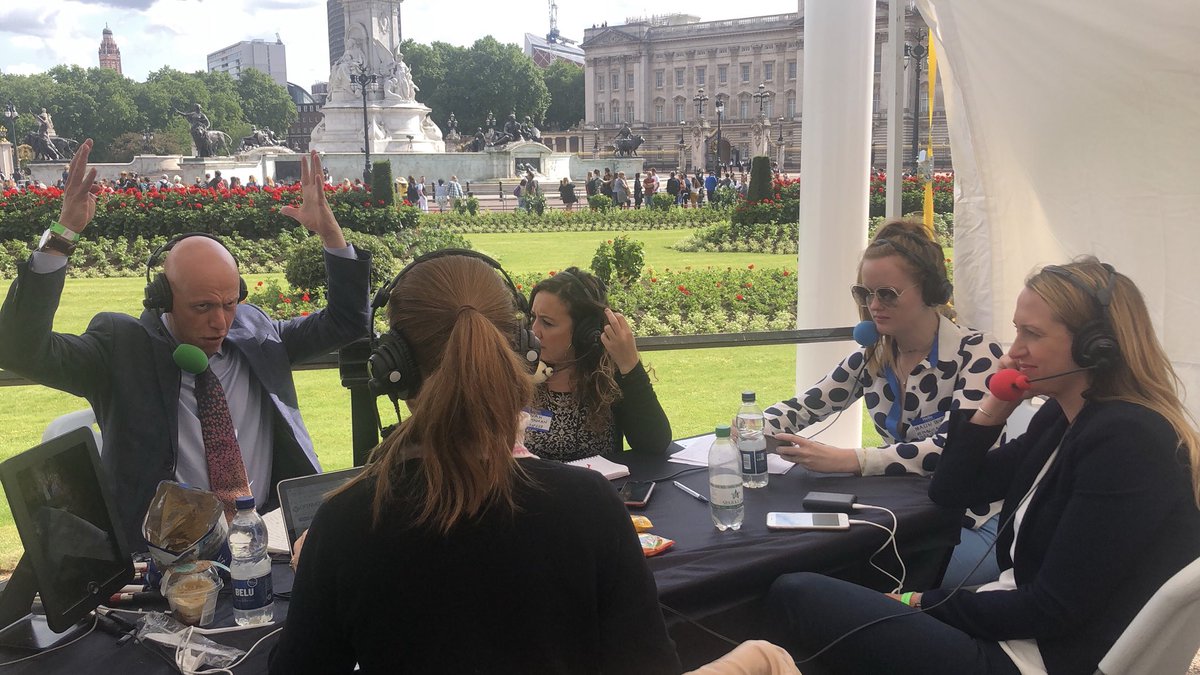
(953, 375)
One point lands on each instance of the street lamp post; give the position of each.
(720, 107)
(490, 121)
(700, 98)
(10, 111)
(916, 53)
(147, 137)
(762, 97)
(362, 79)
(682, 158)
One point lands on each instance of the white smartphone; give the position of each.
(807, 521)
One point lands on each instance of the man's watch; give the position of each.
(52, 241)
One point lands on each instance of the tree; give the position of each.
(486, 77)
(264, 102)
(564, 81)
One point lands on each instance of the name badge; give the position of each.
(539, 419)
(924, 427)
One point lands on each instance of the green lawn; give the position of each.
(698, 388)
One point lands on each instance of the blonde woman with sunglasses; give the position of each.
(922, 366)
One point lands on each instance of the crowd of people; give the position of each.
(465, 527)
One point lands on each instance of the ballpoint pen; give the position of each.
(690, 491)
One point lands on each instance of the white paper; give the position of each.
(277, 541)
(695, 453)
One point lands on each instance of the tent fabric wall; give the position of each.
(1075, 128)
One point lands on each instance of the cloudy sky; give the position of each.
(35, 36)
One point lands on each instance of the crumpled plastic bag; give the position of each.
(185, 524)
(183, 645)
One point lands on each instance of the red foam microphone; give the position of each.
(1008, 384)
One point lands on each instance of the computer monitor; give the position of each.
(75, 555)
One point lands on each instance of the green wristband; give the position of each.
(907, 598)
(62, 231)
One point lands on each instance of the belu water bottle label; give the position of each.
(252, 593)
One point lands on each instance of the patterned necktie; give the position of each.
(226, 472)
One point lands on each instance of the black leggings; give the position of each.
(808, 611)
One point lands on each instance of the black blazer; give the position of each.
(123, 367)
(1111, 521)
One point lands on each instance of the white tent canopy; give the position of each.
(1074, 126)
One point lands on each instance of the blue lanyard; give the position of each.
(893, 419)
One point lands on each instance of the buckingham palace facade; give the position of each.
(648, 73)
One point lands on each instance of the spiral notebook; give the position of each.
(609, 468)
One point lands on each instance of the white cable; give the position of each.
(95, 622)
(892, 537)
(871, 560)
(228, 669)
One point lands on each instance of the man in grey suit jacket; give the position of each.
(145, 404)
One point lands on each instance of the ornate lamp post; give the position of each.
(720, 106)
(490, 122)
(363, 79)
(147, 138)
(10, 111)
(700, 98)
(762, 97)
(916, 53)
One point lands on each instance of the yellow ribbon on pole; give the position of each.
(929, 138)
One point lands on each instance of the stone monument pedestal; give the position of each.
(392, 127)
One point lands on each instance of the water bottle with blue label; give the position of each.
(751, 444)
(253, 600)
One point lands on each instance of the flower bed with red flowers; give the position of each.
(251, 212)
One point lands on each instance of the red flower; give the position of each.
(259, 283)
(304, 297)
(288, 300)
(552, 272)
(681, 287)
(748, 285)
(281, 296)
(519, 287)
(654, 280)
(787, 273)
(750, 266)
(740, 297)
(718, 284)
(303, 313)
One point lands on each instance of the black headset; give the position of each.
(936, 288)
(158, 296)
(1094, 344)
(585, 333)
(392, 366)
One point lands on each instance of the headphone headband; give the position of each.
(936, 288)
(393, 367)
(158, 295)
(1095, 344)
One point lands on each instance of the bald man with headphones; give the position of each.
(145, 404)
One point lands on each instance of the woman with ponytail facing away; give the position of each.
(456, 552)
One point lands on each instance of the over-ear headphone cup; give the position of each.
(158, 294)
(1095, 346)
(392, 368)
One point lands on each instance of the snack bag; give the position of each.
(652, 544)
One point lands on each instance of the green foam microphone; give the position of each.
(190, 358)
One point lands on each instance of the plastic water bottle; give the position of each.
(725, 482)
(253, 600)
(751, 444)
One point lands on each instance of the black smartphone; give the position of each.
(636, 493)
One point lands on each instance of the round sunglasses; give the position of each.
(888, 295)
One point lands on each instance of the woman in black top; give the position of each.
(1100, 502)
(454, 551)
(413, 197)
(599, 394)
(566, 192)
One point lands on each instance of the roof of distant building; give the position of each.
(544, 52)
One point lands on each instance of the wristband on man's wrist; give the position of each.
(63, 231)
